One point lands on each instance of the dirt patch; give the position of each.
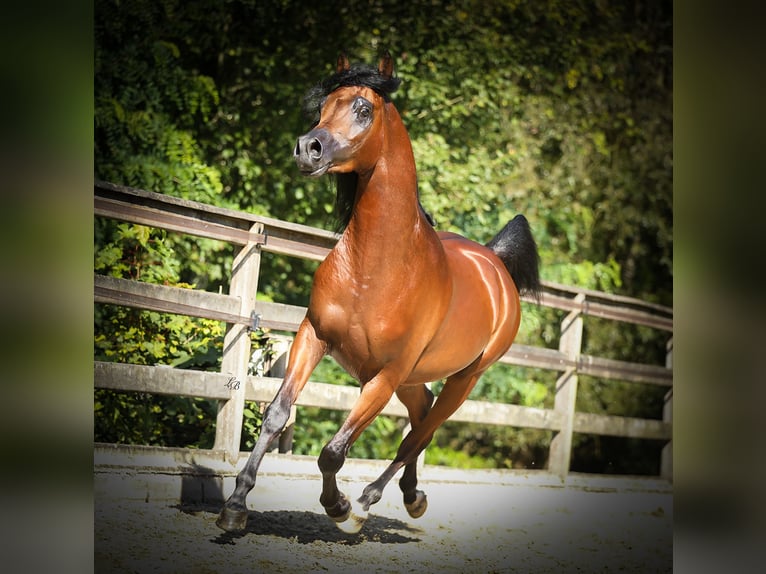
(466, 529)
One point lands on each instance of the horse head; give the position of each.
(349, 134)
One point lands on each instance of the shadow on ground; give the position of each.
(308, 527)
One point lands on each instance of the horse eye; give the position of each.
(363, 109)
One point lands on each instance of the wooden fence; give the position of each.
(253, 235)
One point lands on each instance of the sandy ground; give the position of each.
(467, 529)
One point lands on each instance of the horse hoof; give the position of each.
(232, 520)
(417, 508)
(352, 522)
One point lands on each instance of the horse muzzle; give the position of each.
(314, 152)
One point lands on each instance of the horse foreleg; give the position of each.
(305, 353)
(374, 396)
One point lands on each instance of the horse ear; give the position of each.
(386, 65)
(342, 64)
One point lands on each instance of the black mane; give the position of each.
(356, 75)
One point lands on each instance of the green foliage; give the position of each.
(486, 446)
(136, 336)
(252, 418)
(142, 418)
(128, 335)
(447, 456)
(558, 110)
(317, 426)
(148, 105)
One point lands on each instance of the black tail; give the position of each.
(518, 251)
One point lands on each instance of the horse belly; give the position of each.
(462, 337)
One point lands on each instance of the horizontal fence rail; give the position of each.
(255, 234)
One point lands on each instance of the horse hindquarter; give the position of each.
(483, 316)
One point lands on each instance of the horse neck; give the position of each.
(387, 207)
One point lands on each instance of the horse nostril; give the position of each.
(315, 149)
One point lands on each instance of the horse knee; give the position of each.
(331, 458)
(275, 418)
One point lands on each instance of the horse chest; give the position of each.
(362, 327)
(351, 321)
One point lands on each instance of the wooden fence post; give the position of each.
(236, 349)
(666, 463)
(566, 391)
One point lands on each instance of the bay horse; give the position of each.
(396, 303)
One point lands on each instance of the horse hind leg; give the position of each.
(456, 389)
(418, 401)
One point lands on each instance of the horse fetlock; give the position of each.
(370, 495)
(338, 511)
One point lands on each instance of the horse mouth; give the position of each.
(314, 170)
(321, 170)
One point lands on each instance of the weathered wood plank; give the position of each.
(528, 356)
(501, 414)
(167, 299)
(184, 216)
(294, 248)
(565, 398)
(214, 214)
(194, 303)
(243, 286)
(182, 382)
(589, 423)
(172, 221)
(627, 315)
(625, 371)
(614, 310)
(666, 458)
(593, 295)
(280, 316)
(315, 394)
(161, 380)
